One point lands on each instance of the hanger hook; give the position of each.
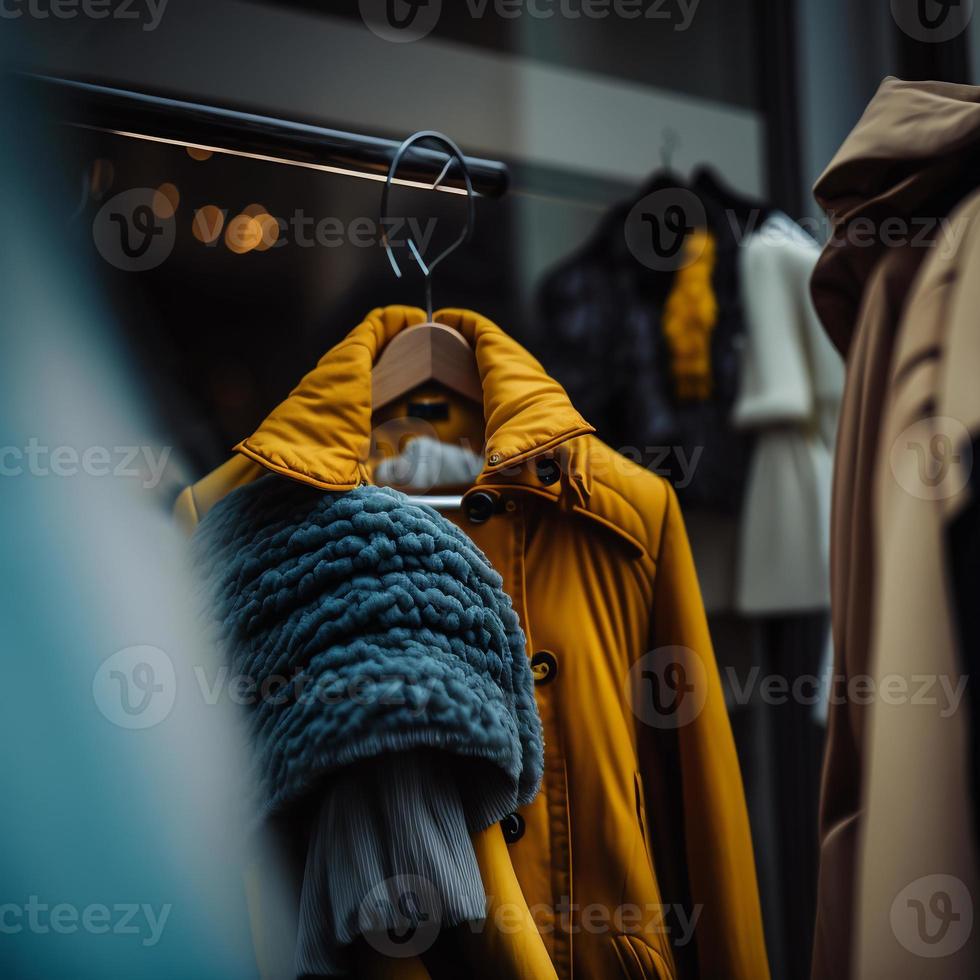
(455, 156)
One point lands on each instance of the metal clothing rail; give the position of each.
(152, 117)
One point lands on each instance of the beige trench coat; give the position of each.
(898, 874)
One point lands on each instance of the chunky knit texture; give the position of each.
(370, 624)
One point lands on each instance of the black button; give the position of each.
(544, 666)
(513, 827)
(548, 470)
(479, 507)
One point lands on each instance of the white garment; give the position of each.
(791, 384)
(428, 464)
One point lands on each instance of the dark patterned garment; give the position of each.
(603, 340)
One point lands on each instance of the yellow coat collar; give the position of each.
(321, 434)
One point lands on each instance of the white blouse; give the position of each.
(791, 384)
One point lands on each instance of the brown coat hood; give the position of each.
(894, 289)
(911, 156)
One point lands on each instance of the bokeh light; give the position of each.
(166, 200)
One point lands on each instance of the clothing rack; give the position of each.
(140, 115)
(160, 119)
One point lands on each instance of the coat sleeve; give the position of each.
(700, 833)
(508, 944)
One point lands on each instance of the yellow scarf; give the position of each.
(689, 318)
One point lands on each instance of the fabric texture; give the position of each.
(896, 289)
(390, 627)
(389, 826)
(789, 396)
(638, 809)
(395, 820)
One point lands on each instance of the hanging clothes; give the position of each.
(606, 318)
(896, 291)
(640, 825)
(789, 395)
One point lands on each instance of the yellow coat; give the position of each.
(641, 810)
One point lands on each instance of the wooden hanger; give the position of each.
(429, 351)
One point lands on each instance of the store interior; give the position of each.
(272, 261)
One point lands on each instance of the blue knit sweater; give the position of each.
(370, 624)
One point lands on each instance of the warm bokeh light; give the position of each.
(102, 177)
(199, 153)
(243, 234)
(270, 231)
(254, 210)
(166, 200)
(207, 224)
